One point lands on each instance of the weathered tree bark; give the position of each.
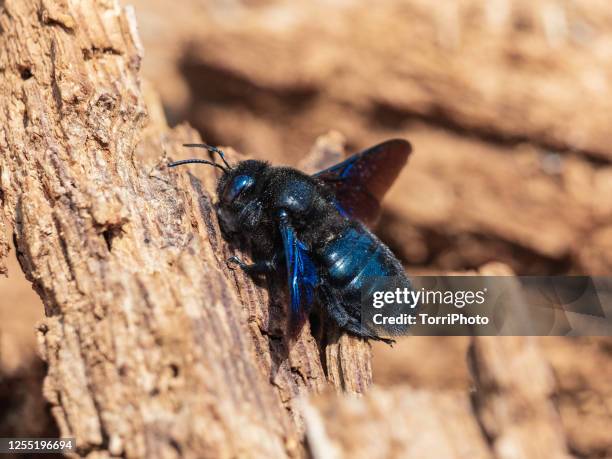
(505, 70)
(395, 423)
(154, 347)
(4, 246)
(510, 414)
(513, 399)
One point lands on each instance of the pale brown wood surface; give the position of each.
(154, 347)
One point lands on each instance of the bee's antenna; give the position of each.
(209, 148)
(197, 161)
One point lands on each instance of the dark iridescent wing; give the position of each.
(361, 181)
(301, 275)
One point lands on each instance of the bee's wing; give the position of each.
(301, 275)
(361, 181)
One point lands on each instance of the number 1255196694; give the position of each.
(36, 445)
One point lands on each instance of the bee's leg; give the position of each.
(344, 320)
(259, 267)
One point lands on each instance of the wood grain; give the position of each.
(154, 347)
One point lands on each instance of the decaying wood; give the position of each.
(530, 208)
(154, 347)
(395, 423)
(513, 398)
(4, 246)
(510, 413)
(507, 70)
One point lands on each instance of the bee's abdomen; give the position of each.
(355, 255)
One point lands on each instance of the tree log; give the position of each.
(510, 414)
(395, 423)
(4, 246)
(513, 400)
(154, 347)
(503, 70)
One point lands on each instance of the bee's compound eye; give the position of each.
(237, 186)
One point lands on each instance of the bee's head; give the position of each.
(238, 193)
(238, 206)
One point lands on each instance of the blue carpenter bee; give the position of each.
(316, 226)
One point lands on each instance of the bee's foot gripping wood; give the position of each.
(259, 267)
